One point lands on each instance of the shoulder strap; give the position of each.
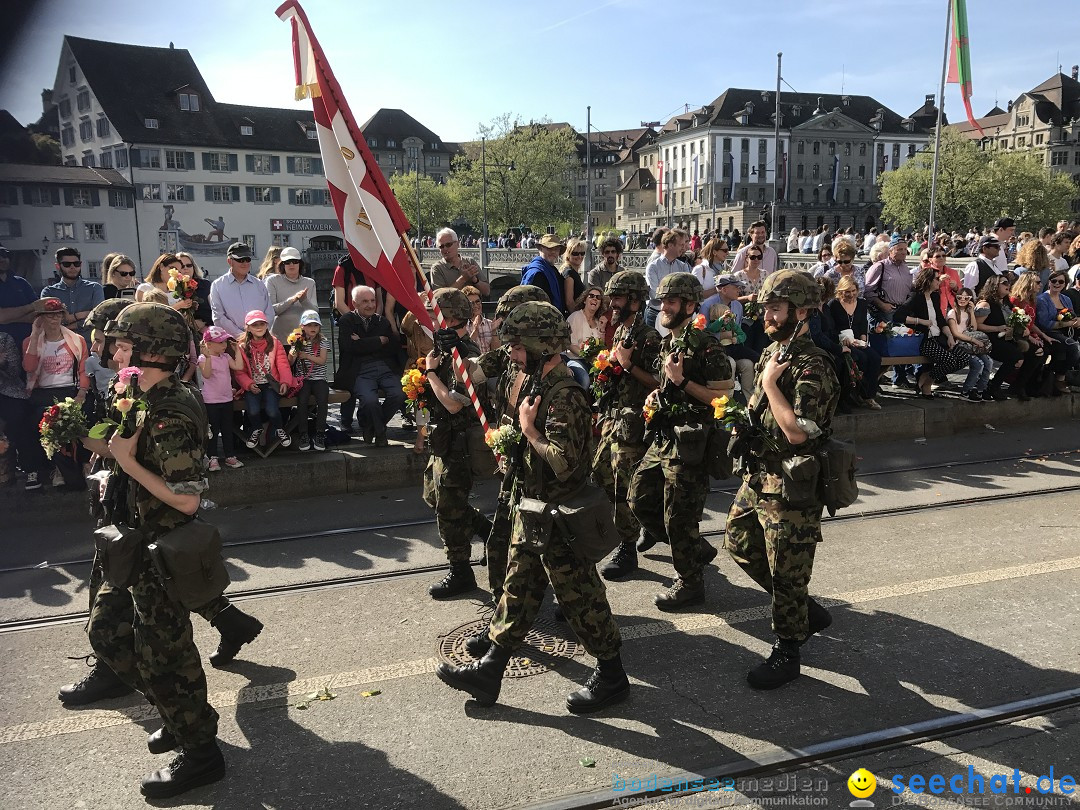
(549, 395)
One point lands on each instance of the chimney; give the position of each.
(1075, 71)
(46, 100)
(930, 100)
(1009, 107)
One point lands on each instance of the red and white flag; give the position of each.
(370, 216)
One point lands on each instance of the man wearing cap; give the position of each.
(78, 295)
(237, 293)
(980, 271)
(453, 269)
(541, 272)
(743, 355)
(18, 304)
(1004, 229)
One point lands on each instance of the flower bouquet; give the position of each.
(751, 311)
(414, 384)
(296, 339)
(590, 347)
(604, 372)
(881, 327)
(61, 426)
(127, 409)
(1018, 320)
(1065, 314)
(733, 415)
(180, 286)
(502, 440)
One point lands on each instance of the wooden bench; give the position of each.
(912, 360)
(267, 444)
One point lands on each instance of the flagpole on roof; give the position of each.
(774, 223)
(940, 118)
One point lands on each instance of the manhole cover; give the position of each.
(546, 646)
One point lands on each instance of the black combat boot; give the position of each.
(478, 645)
(161, 741)
(708, 552)
(482, 679)
(237, 629)
(647, 541)
(606, 686)
(780, 667)
(100, 683)
(819, 618)
(192, 767)
(459, 579)
(681, 595)
(622, 564)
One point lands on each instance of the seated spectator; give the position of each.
(1052, 344)
(843, 265)
(368, 351)
(291, 293)
(16, 431)
(587, 320)
(481, 329)
(713, 263)
(264, 379)
(922, 312)
(121, 277)
(961, 320)
(309, 368)
(1048, 306)
(849, 315)
(54, 359)
(990, 317)
(950, 279)
(237, 293)
(219, 359)
(742, 353)
(1033, 257)
(824, 264)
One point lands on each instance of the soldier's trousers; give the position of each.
(775, 545)
(668, 498)
(577, 586)
(209, 611)
(497, 547)
(447, 483)
(613, 470)
(146, 639)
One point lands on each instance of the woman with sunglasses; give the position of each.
(990, 314)
(587, 320)
(950, 278)
(1049, 306)
(824, 262)
(751, 278)
(291, 294)
(120, 278)
(844, 266)
(922, 313)
(190, 268)
(573, 261)
(849, 314)
(1024, 294)
(712, 264)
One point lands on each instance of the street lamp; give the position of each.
(419, 232)
(483, 174)
(41, 253)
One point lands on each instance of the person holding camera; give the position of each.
(455, 434)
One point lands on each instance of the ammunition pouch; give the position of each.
(587, 517)
(481, 458)
(119, 552)
(535, 522)
(690, 439)
(188, 563)
(799, 479)
(630, 426)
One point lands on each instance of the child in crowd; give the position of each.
(961, 319)
(264, 378)
(309, 364)
(219, 356)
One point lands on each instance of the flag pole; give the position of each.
(940, 117)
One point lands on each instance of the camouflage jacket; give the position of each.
(500, 373)
(704, 362)
(630, 393)
(465, 417)
(562, 469)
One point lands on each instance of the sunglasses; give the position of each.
(754, 258)
(71, 264)
(577, 253)
(445, 245)
(123, 273)
(1057, 281)
(594, 295)
(843, 261)
(291, 261)
(242, 260)
(188, 266)
(723, 250)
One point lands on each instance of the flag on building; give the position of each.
(960, 58)
(370, 216)
(660, 182)
(781, 185)
(731, 165)
(835, 177)
(695, 173)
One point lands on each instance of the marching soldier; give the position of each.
(555, 421)
(773, 528)
(670, 485)
(448, 477)
(163, 462)
(622, 426)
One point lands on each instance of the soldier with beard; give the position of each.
(627, 382)
(670, 485)
(773, 528)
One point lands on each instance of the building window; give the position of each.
(761, 194)
(71, 74)
(303, 165)
(847, 196)
(682, 175)
(815, 170)
(249, 240)
(119, 199)
(313, 134)
(832, 148)
(862, 195)
(846, 173)
(601, 190)
(220, 193)
(247, 130)
(38, 195)
(82, 198)
(391, 143)
(86, 131)
(303, 196)
(103, 127)
(174, 159)
(150, 123)
(862, 172)
(683, 151)
(175, 192)
(88, 159)
(372, 143)
(64, 231)
(817, 147)
(106, 160)
(10, 228)
(149, 158)
(602, 173)
(93, 269)
(121, 158)
(1059, 158)
(799, 171)
(413, 152)
(9, 195)
(392, 160)
(189, 102)
(93, 231)
(862, 150)
(434, 160)
(800, 147)
(762, 146)
(67, 136)
(150, 192)
(282, 240)
(262, 194)
(816, 195)
(847, 150)
(745, 193)
(911, 150)
(217, 161)
(83, 100)
(746, 146)
(1076, 158)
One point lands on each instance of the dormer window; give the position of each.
(247, 129)
(796, 110)
(391, 144)
(908, 125)
(150, 123)
(313, 134)
(189, 101)
(372, 143)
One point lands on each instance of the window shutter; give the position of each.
(292, 194)
(316, 165)
(235, 193)
(69, 198)
(209, 194)
(189, 160)
(250, 193)
(54, 196)
(26, 195)
(275, 164)
(233, 163)
(136, 157)
(95, 197)
(275, 194)
(290, 165)
(189, 193)
(249, 161)
(206, 161)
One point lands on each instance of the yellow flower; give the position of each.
(602, 361)
(172, 284)
(719, 407)
(124, 405)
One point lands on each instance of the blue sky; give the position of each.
(455, 65)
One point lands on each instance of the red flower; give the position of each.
(54, 411)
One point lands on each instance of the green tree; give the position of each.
(975, 188)
(534, 192)
(437, 205)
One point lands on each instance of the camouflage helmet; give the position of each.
(797, 288)
(454, 304)
(519, 295)
(104, 312)
(539, 327)
(627, 282)
(683, 285)
(152, 329)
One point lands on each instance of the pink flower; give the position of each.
(120, 387)
(124, 405)
(126, 374)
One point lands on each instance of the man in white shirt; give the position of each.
(769, 260)
(1003, 229)
(663, 264)
(984, 265)
(869, 239)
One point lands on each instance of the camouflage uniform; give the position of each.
(668, 493)
(771, 539)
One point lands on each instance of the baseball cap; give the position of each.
(239, 250)
(215, 334)
(290, 253)
(1004, 222)
(255, 316)
(310, 316)
(723, 281)
(989, 241)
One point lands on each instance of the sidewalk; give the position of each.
(357, 468)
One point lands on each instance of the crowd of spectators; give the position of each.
(258, 337)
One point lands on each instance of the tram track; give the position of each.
(355, 580)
